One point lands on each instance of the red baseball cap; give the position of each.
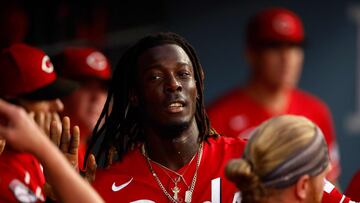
(275, 26)
(27, 72)
(82, 63)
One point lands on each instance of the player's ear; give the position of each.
(302, 187)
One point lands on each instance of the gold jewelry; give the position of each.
(181, 176)
(176, 189)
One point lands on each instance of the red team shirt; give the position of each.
(81, 155)
(131, 180)
(236, 115)
(353, 189)
(332, 195)
(21, 178)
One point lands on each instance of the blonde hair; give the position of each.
(272, 143)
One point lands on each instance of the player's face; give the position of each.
(85, 104)
(54, 105)
(166, 86)
(278, 66)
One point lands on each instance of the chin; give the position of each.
(175, 127)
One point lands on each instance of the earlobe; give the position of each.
(302, 186)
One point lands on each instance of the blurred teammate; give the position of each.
(92, 70)
(285, 160)
(27, 78)
(24, 135)
(274, 51)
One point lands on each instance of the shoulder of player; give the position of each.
(227, 144)
(223, 101)
(130, 164)
(354, 185)
(18, 161)
(331, 194)
(308, 98)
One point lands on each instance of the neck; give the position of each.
(274, 99)
(281, 196)
(172, 151)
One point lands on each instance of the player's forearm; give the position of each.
(67, 184)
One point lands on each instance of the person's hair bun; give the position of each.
(241, 173)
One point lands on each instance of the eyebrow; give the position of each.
(178, 64)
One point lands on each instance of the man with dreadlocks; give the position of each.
(155, 120)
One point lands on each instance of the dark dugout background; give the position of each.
(216, 30)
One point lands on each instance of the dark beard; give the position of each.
(169, 130)
(173, 130)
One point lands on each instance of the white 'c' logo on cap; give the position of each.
(46, 65)
(97, 61)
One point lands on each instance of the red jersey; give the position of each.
(353, 189)
(132, 181)
(237, 114)
(332, 195)
(21, 178)
(81, 155)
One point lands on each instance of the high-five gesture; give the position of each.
(66, 141)
(22, 133)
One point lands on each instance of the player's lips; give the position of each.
(175, 106)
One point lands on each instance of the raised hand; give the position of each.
(44, 120)
(60, 135)
(68, 143)
(23, 134)
(90, 170)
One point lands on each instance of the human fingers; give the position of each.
(75, 140)
(91, 167)
(65, 135)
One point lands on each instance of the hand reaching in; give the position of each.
(15, 126)
(45, 119)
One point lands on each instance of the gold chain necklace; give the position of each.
(180, 176)
(176, 189)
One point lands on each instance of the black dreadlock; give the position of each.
(119, 129)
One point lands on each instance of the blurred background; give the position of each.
(217, 31)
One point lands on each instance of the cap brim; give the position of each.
(57, 89)
(105, 82)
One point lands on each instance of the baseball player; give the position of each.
(285, 160)
(274, 51)
(27, 78)
(91, 69)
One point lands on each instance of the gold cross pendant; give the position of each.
(176, 191)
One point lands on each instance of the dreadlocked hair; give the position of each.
(118, 126)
